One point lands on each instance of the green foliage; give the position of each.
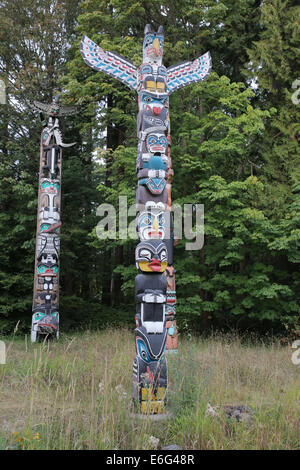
(234, 149)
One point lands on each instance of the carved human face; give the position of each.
(156, 142)
(152, 222)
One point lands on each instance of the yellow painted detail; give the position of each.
(150, 85)
(155, 225)
(143, 265)
(156, 45)
(152, 407)
(160, 86)
(164, 265)
(147, 394)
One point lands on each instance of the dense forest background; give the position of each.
(234, 148)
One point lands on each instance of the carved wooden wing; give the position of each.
(53, 110)
(184, 73)
(68, 110)
(109, 62)
(40, 107)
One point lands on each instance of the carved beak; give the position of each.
(155, 265)
(155, 225)
(156, 46)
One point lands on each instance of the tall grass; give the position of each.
(76, 394)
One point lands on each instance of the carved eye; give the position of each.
(145, 254)
(42, 269)
(163, 141)
(143, 354)
(143, 350)
(147, 220)
(147, 99)
(163, 255)
(151, 140)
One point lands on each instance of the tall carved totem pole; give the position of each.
(155, 293)
(45, 308)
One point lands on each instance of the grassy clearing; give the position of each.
(76, 394)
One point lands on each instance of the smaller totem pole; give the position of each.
(45, 318)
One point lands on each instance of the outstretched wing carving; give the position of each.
(109, 62)
(40, 107)
(68, 110)
(184, 73)
(53, 110)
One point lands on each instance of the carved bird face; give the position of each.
(151, 256)
(153, 45)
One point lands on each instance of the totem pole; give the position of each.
(45, 308)
(155, 293)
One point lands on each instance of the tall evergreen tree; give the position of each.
(234, 150)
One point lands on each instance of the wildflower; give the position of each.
(122, 395)
(212, 411)
(153, 442)
(101, 387)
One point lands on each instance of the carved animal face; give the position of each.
(153, 45)
(48, 267)
(151, 256)
(40, 316)
(153, 102)
(153, 79)
(49, 186)
(142, 351)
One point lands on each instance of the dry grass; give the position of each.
(76, 394)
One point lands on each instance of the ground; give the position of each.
(76, 394)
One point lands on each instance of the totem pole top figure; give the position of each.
(125, 71)
(54, 109)
(153, 45)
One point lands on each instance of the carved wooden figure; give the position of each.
(45, 308)
(155, 293)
